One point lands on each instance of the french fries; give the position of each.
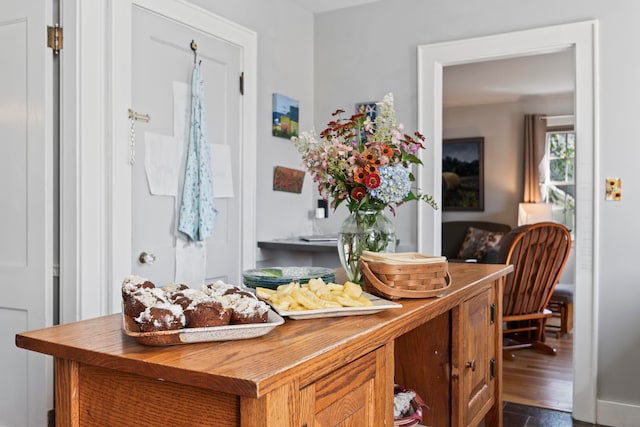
(313, 296)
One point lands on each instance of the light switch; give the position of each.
(614, 189)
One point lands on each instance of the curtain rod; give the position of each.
(565, 116)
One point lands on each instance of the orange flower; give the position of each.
(386, 151)
(369, 157)
(360, 175)
(371, 169)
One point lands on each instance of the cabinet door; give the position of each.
(358, 394)
(473, 358)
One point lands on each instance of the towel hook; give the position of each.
(133, 118)
(194, 48)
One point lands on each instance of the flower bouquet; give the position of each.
(366, 164)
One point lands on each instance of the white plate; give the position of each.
(194, 335)
(379, 304)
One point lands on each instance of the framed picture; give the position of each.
(286, 179)
(462, 174)
(285, 119)
(370, 109)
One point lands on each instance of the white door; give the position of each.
(162, 64)
(26, 242)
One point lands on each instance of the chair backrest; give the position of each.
(538, 253)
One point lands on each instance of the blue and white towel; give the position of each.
(197, 210)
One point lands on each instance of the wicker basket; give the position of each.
(404, 275)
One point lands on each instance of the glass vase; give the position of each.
(364, 230)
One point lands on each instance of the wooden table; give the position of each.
(303, 373)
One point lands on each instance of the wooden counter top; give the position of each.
(310, 348)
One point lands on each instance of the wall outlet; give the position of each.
(324, 205)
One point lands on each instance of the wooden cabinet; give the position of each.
(451, 362)
(318, 372)
(473, 358)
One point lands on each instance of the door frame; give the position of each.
(583, 38)
(119, 208)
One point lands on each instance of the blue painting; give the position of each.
(285, 121)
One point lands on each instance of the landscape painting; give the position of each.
(462, 174)
(285, 119)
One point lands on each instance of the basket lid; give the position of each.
(401, 257)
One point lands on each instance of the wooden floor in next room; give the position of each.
(541, 380)
(538, 388)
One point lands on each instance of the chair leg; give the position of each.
(532, 339)
(526, 343)
(543, 347)
(542, 323)
(567, 318)
(508, 355)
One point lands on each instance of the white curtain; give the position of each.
(535, 134)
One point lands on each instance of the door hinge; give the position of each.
(55, 38)
(492, 316)
(492, 368)
(242, 83)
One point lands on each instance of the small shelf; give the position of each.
(295, 244)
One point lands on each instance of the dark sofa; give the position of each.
(454, 233)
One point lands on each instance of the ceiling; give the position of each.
(327, 5)
(508, 80)
(490, 82)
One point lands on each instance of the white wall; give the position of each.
(365, 51)
(285, 64)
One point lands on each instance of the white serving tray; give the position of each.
(379, 304)
(195, 335)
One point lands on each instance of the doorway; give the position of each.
(581, 37)
(489, 99)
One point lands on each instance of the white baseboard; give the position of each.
(616, 414)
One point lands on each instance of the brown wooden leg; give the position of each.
(568, 317)
(67, 393)
(543, 347)
(508, 355)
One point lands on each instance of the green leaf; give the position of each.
(411, 159)
(410, 197)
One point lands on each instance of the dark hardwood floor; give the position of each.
(516, 415)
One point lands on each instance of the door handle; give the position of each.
(146, 258)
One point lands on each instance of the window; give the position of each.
(559, 186)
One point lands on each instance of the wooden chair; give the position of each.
(561, 305)
(538, 253)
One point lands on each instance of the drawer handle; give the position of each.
(471, 365)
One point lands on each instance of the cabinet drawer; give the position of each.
(357, 394)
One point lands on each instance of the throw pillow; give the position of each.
(478, 242)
